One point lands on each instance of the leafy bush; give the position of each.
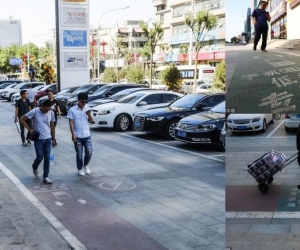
(220, 76)
(171, 77)
(109, 75)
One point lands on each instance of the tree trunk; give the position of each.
(195, 73)
(151, 62)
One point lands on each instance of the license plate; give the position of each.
(298, 116)
(241, 127)
(137, 124)
(181, 133)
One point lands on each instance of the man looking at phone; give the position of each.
(259, 18)
(79, 118)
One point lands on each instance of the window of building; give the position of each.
(162, 18)
(180, 29)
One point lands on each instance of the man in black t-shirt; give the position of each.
(23, 107)
(54, 106)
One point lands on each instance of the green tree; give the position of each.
(234, 39)
(135, 74)
(219, 78)
(109, 75)
(118, 50)
(200, 23)
(171, 77)
(153, 34)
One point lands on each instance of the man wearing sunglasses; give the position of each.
(79, 118)
(260, 18)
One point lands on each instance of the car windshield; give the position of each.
(131, 98)
(220, 108)
(44, 88)
(200, 83)
(187, 101)
(101, 90)
(3, 86)
(63, 91)
(82, 88)
(121, 94)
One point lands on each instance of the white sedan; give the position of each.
(120, 115)
(291, 121)
(248, 122)
(15, 97)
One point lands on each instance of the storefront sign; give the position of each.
(74, 16)
(219, 55)
(278, 10)
(171, 57)
(74, 38)
(75, 60)
(177, 39)
(294, 3)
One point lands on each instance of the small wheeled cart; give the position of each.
(268, 165)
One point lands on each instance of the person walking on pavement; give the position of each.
(23, 107)
(54, 106)
(43, 122)
(259, 18)
(79, 118)
(30, 96)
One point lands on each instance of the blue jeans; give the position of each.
(42, 149)
(88, 150)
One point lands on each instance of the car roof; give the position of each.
(157, 92)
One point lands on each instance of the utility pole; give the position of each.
(191, 35)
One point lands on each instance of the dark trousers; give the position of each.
(261, 31)
(42, 150)
(23, 130)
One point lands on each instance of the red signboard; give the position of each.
(219, 55)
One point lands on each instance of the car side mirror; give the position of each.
(201, 106)
(142, 103)
(90, 92)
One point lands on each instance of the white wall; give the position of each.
(293, 20)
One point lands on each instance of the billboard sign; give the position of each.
(15, 61)
(74, 38)
(75, 60)
(74, 16)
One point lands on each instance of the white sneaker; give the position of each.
(81, 173)
(87, 169)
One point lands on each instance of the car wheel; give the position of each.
(122, 123)
(221, 146)
(170, 129)
(264, 129)
(9, 98)
(287, 129)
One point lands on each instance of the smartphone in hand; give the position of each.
(88, 112)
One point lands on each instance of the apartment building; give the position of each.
(171, 14)
(10, 32)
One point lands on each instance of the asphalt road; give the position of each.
(145, 192)
(259, 82)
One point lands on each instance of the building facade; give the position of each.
(293, 19)
(171, 14)
(10, 32)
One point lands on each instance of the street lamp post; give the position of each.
(28, 59)
(98, 28)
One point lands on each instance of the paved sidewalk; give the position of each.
(263, 231)
(259, 82)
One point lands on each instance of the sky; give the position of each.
(38, 16)
(236, 13)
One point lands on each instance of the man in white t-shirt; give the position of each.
(43, 122)
(79, 118)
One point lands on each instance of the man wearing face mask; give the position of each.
(260, 18)
(43, 122)
(79, 118)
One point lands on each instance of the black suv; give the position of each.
(111, 89)
(164, 120)
(87, 88)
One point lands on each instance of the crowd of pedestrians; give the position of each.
(41, 122)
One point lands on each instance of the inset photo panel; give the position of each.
(262, 181)
(262, 56)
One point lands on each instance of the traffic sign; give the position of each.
(15, 61)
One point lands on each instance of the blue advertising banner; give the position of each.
(15, 61)
(74, 38)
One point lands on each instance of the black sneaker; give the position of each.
(254, 48)
(35, 172)
(29, 142)
(47, 181)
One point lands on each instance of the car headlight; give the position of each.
(5, 92)
(256, 119)
(105, 112)
(229, 121)
(208, 127)
(155, 119)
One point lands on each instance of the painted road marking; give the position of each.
(58, 203)
(263, 215)
(260, 137)
(117, 185)
(275, 129)
(60, 228)
(61, 195)
(82, 201)
(171, 147)
(278, 62)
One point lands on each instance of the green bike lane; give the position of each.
(259, 82)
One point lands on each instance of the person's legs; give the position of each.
(22, 128)
(79, 153)
(38, 146)
(264, 37)
(88, 150)
(46, 151)
(29, 123)
(257, 36)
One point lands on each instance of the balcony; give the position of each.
(159, 2)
